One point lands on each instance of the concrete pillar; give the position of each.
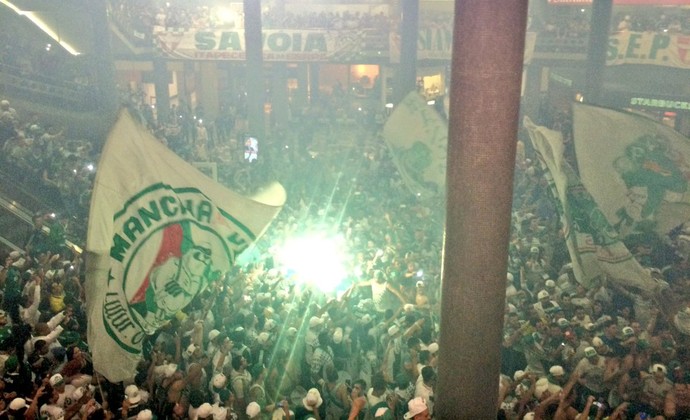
(302, 92)
(409, 33)
(314, 89)
(208, 88)
(488, 45)
(532, 90)
(384, 84)
(279, 94)
(183, 93)
(161, 81)
(254, 67)
(102, 58)
(596, 51)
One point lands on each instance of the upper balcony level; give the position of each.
(360, 32)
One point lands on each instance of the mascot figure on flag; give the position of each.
(647, 164)
(174, 283)
(650, 171)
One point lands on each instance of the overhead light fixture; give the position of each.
(36, 20)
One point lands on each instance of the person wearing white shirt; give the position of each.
(30, 314)
(47, 331)
(64, 391)
(212, 345)
(35, 279)
(222, 359)
(425, 388)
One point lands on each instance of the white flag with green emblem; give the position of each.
(159, 232)
(417, 138)
(594, 245)
(636, 168)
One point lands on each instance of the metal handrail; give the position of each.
(25, 214)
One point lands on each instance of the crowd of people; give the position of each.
(259, 344)
(568, 32)
(255, 316)
(561, 29)
(200, 15)
(663, 22)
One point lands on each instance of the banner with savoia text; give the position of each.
(436, 43)
(278, 45)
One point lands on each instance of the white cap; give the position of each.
(263, 337)
(132, 393)
(191, 349)
(213, 334)
(219, 380)
(338, 335)
(269, 325)
(205, 410)
(145, 415)
(253, 409)
(541, 386)
(56, 379)
(658, 367)
(597, 342)
(165, 370)
(17, 404)
(556, 370)
(315, 321)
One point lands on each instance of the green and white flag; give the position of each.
(594, 245)
(159, 232)
(636, 168)
(417, 138)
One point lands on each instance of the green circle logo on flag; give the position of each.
(169, 244)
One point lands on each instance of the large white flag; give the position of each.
(594, 246)
(417, 138)
(636, 168)
(159, 232)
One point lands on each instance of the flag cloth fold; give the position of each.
(159, 232)
(637, 169)
(417, 138)
(594, 245)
